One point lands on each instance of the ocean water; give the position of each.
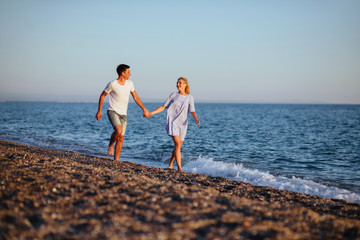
(312, 149)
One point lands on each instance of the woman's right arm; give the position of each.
(158, 110)
(162, 108)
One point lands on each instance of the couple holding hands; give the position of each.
(179, 104)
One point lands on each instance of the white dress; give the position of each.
(178, 109)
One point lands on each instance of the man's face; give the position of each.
(126, 73)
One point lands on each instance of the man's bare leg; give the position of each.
(111, 144)
(118, 147)
(114, 136)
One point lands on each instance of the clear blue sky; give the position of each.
(305, 51)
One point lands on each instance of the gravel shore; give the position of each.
(53, 194)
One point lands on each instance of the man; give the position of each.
(119, 91)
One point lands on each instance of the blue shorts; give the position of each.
(117, 120)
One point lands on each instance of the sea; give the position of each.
(306, 148)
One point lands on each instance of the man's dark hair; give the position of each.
(121, 68)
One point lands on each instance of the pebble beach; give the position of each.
(54, 194)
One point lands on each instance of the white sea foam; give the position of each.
(239, 173)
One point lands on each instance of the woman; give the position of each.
(179, 104)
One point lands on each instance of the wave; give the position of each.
(237, 172)
(213, 168)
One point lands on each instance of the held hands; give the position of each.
(146, 114)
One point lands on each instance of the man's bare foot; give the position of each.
(111, 151)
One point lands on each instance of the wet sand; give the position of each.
(53, 194)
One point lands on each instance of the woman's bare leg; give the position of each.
(172, 159)
(177, 152)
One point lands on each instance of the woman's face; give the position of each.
(181, 85)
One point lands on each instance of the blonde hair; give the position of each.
(187, 88)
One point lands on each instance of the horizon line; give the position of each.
(198, 102)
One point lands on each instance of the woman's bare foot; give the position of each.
(171, 162)
(111, 151)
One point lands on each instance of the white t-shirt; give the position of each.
(119, 95)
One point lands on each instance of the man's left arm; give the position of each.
(136, 97)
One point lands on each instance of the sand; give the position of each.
(53, 194)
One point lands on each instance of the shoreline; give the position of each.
(47, 193)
